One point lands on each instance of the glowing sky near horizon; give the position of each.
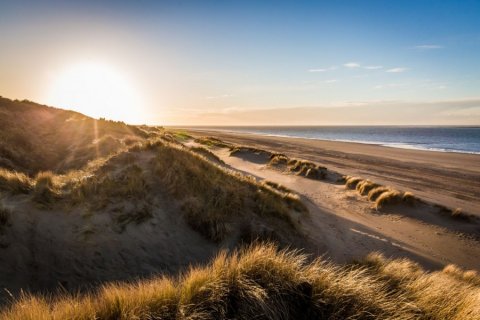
(226, 62)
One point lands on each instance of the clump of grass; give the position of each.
(276, 186)
(376, 192)
(207, 154)
(306, 169)
(213, 142)
(351, 182)
(363, 187)
(182, 135)
(278, 160)
(46, 190)
(393, 197)
(15, 182)
(469, 276)
(430, 293)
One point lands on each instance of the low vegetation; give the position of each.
(38, 138)
(436, 295)
(207, 154)
(381, 195)
(214, 199)
(262, 282)
(213, 142)
(14, 182)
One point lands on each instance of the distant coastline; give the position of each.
(456, 139)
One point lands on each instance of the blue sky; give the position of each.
(193, 59)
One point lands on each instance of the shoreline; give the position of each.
(447, 178)
(396, 145)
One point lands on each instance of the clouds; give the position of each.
(429, 47)
(397, 70)
(373, 67)
(351, 65)
(322, 69)
(379, 112)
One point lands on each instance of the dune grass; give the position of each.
(436, 295)
(376, 192)
(262, 282)
(213, 197)
(213, 142)
(207, 154)
(351, 182)
(364, 186)
(14, 182)
(392, 196)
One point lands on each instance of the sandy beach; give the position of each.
(451, 179)
(344, 225)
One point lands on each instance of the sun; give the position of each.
(97, 90)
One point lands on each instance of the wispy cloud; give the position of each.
(352, 65)
(373, 67)
(397, 70)
(219, 96)
(322, 69)
(331, 81)
(428, 46)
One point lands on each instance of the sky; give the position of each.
(247, 62)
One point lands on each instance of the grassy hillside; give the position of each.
(261, 282)
(36, 138)
(143, 206)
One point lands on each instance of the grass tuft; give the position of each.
(14, 182)
(351, 182)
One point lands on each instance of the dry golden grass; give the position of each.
(213, 197)
(14, 182)
(213, 142)
(46, 188)
(262, 282)
(436, 295)
(392, 197)
(207, 154)
(351, 182)
(38, 138)
(376, 192)
(469, 276)
(364, 186)
(278, 160)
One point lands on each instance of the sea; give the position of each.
(431, 138)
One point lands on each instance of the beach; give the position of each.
(448, 178)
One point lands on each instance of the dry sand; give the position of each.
(344, 225)
(451, 179)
